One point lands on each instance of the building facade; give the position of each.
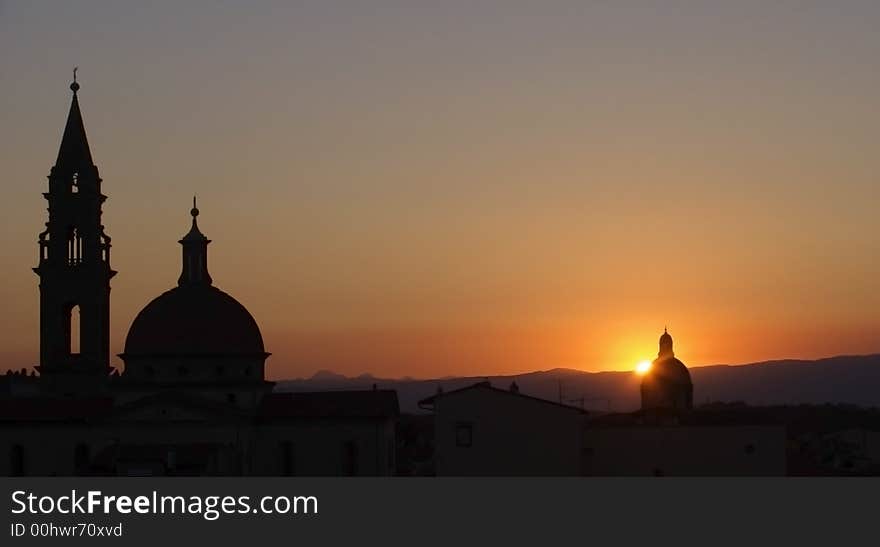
(481, 430)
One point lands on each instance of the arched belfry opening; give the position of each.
(74, 246)
(73, 329)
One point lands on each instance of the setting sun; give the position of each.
(643, 367)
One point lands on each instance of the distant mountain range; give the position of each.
(845, 379)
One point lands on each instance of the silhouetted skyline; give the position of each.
(459, 189)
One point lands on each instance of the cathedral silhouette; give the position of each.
(193, 398)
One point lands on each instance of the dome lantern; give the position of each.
(195, 254)
(666, 345)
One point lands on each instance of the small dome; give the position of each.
(194, 320)
(670, 370)
(668, 383)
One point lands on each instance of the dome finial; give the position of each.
(194, 233)
(74, 86)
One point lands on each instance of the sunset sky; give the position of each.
(445, 188)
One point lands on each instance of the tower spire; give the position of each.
(74, 153)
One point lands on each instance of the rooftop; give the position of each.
(487, 386)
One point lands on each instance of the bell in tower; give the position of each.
(74, 268)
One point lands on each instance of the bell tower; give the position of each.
(74, 268)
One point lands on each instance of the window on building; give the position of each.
(230, 398)
(287, 455)
(464, 434)
(349, 458)
(749, 449)
(16, 461)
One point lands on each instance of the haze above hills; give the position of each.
(843, 379)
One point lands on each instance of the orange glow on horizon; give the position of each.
(560, 223)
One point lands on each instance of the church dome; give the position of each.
(194, 320)
(670, 369)
(668, 382)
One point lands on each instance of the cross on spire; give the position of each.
(74, 86)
